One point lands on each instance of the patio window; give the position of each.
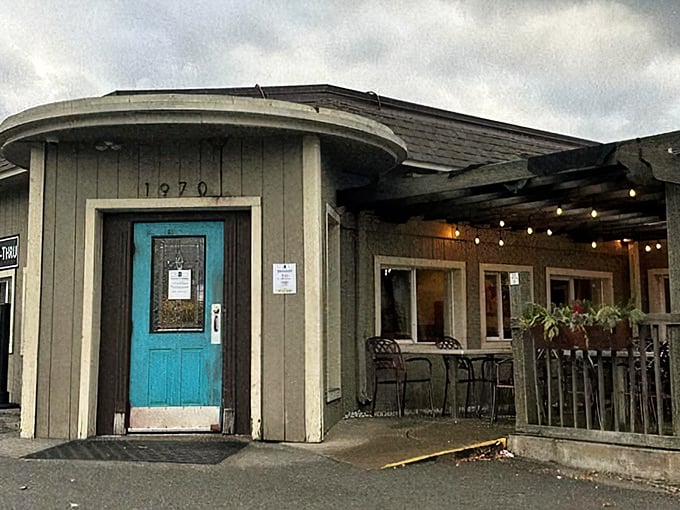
(419, 299)
(565, 286)
(495, 298)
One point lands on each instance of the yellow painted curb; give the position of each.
(502, 441)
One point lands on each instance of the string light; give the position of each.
(500, 240)
(477, 239)
(530, 230)
(632, 193)
(658, 245)
(593, 244)
(549, 232)
(593, 213)
(648, 248)
(559, 210)
(501, 223)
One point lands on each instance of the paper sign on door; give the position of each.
(179, 284)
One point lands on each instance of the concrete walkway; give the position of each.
(374, 443)
(368, 443)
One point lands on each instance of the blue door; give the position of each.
(175, 352)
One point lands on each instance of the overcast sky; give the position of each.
(601, 69)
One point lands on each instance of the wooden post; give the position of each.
(524, 363)
(674, 349)
(673, 242)
(523, 355)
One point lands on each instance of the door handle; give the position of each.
(216, 321)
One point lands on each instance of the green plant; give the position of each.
(577, 317)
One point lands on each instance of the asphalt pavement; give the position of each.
(278, 475)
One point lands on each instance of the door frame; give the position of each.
(92, 292)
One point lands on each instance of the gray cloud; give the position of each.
(598, 69)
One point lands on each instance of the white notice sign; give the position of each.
(179, 284)
(514, 278)
(284, 279)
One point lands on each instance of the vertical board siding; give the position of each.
(43, 402)
(294, 346)
(86, 187)
(232, 171)
(63, 341)
(266, 167)
(209, 168)
(274, 333)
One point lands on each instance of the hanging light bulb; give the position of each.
(632, 193)
(457, 232)
(559, 210)
(501, 242)
(593, 244)
(530, 230)
(648, 248)
(501, 223)
(593, 213)
(477, 239)
(658, 245)
(549, 232)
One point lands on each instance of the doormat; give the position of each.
(177, 452)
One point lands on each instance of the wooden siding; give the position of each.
(14, 220)
(433, 240)
(269, 167)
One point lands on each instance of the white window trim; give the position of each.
(657, 293)
(607, 278)
(10, 274)
(333, 333)
(457, 323)
(509, 268)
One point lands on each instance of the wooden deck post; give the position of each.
(524, 365)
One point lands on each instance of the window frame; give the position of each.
(498, 268)
(10, 275)
(606, 277)
(455, 322)
(333, 305)
(657, 290)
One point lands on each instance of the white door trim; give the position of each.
(89, 366)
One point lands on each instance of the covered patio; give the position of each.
(617, 196)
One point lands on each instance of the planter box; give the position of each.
(590, 337)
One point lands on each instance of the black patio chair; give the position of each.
(464, 365)
(390, 367)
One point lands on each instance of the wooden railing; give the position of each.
(620, 396)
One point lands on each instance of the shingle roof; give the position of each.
(433, 136)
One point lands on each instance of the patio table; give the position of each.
(487, 353)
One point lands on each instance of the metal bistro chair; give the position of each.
(464, 364)
(503, 379)
(390, 367)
